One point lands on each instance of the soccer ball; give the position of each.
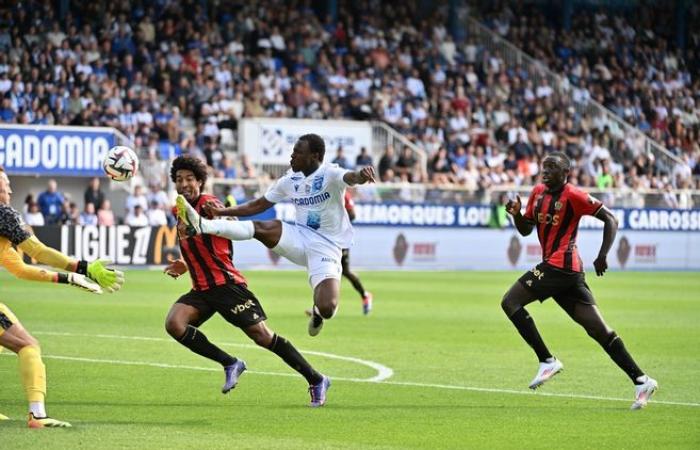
(121, 163)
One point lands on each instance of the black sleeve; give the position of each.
(12, 226)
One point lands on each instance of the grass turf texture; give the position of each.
(443, 328)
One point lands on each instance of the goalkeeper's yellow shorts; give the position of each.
(7, 319)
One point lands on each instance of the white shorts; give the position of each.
(305, 247)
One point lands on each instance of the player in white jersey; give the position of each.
(321, 228)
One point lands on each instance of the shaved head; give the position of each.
(562, 160)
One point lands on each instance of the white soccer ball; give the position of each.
(121, 163)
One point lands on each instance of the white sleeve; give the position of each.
(276, 192)
(336, 174)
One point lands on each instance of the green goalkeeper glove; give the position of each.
(110, 280)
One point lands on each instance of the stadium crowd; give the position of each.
(181, 75)
(53, 207)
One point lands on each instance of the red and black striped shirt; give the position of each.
(209, 258)
(556, 216)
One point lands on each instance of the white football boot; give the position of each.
(644, 391)
(545, 372)
(315, 324)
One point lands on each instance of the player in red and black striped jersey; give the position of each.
(555, 209)
(218, 287)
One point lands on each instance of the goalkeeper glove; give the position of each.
(109, 279)
(80, 281)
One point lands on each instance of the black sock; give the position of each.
(285, 350)
(196, 341)
(527, 329)
(355, 283)
(617, 351)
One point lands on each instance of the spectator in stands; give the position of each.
(636, 196)
(685, 195)
(227, 168)
(153, 169)
(69, 213)
(136, 218)
(28, 200)
(604, 180)
(105, 215)
(136, 198)
(50, 203)
(441, 168)
(340, 159)
(156, 214)
(669, 198)
(363, 158)
(247, 169)
(157, 195)
(93, 193)
(33, 216)
(88, 216)
(386, 164)
(406, 165)
(158, 76)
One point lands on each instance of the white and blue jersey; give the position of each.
(318, 200)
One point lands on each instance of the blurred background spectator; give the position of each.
(176, 78)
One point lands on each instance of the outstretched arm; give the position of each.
(246, 209)
(11, 260)
(522, 224)
(609, 233)
(362, 176)
(109, 279)
(33, 247)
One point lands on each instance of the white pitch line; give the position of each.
(383, 372)
(360, 380)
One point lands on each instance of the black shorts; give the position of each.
(345, 259)
(234, 302)
(567, 288)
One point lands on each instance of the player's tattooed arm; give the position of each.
(523, 225)
(609, 232)
(247, 209)
(362, 176)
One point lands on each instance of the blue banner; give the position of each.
(72, 151)
(478, 216)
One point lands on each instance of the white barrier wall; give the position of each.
(414, 248)
(270, 141)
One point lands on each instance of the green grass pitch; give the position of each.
(460, 370)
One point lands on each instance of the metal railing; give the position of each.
(492, 42)
(384, 136)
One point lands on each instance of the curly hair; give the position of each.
(196, 165)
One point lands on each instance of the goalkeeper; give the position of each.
(92, 277)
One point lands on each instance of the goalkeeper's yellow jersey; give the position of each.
(13, 232)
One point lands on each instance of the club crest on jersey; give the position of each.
(296, 188)
(558, 205)
(317, 184)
